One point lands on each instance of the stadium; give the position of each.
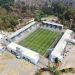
(44, 39)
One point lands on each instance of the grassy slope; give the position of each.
(40, 40)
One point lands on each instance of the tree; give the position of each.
(38, 15)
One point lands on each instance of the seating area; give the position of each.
(52, 25)
(21, 31)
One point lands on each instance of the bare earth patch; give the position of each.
(2, 67)
(25, 65)
(12, 72)
(45, 73)
(7, 55)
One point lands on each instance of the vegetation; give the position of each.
(53, 70)
(11, 12)
(7, 20)
(62, 11)
(40, 40)
(68, 70)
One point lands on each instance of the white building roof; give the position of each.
(58, 50)
(20, 30)
(25, 51)
(72, 40)
(53, 23)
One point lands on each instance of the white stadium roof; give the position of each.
(20, 30)
(53, 23)
(25, 51)
(58, 50)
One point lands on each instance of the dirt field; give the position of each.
(12, 72)
(25, 65)
(2, 67)
(7, 55)
(46, 73)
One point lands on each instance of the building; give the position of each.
(20, 31)
(52, 25)
(60, 48)
(23, 52)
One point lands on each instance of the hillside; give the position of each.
(69, 2)
(40, 2)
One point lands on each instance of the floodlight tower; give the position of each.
(19, 22)
(71, 20)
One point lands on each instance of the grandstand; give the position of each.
(23, 52)
(20, 31)
(60, 48)
(52, 25)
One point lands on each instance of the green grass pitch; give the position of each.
(40, 40)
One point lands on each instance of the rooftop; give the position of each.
(58, 50)
(53, 23)
(25, 51)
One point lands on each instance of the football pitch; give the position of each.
(40, 40)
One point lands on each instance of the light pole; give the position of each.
(19, 22)
(71, 20)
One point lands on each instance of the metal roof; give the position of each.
(25, 51)
(53, 23)
(58, 50)
(21, 30)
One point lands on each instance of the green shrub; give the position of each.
(70, 69)
(63, 70)
(9, 29)
(38, 73)
(57, 72)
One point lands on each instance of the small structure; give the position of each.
(1, 38)
(2, 48)
(52, 25)
(60, 48)
(23, 52)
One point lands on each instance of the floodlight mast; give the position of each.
(71, 20)
(19, 22)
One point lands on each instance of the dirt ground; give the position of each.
(25, 65)
(12, 72)
(46, 73)
(50, 18)
(7, 55)
(2, 67)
